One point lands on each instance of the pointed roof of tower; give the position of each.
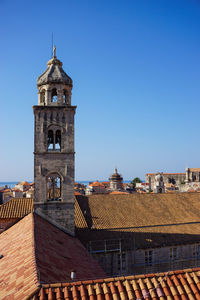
(54, 73)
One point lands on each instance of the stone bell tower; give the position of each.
(54, 145)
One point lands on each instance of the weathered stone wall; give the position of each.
(133, 261)
(60, 212)
(59, 162)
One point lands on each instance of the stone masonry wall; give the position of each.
(133, 261)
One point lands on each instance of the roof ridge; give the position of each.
(122, 278)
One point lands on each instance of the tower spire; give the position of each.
(54, 51)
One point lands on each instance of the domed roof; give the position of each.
(54, 73)
(116, 176)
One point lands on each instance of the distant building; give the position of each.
(159, 186)
(96, 187)
(183, 182)
(22, 186)
(116, 181)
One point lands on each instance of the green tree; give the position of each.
(136, 180)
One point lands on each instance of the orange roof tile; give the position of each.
(16, 208)
(24, 183)
(34, 252)
(183, 284)
(169, 218)
(77, 193)
(96, 183)
(56, 259)
(17, 267)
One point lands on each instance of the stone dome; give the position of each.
(54, 74)
(116, 176)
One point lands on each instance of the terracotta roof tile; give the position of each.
(34, 252)
(157, 286)
(16, 208)
(153, 219)
(17, 267)
(96, 183)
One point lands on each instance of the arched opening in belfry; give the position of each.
(58, 140)
(50, 140)
(42, 99)
(65, 97)
(54, 187)
(54, 96)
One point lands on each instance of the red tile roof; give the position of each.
(16, 208)
(77, 193)
(34, 252)
(17, 267)
(57, 254)
(183, 284)
(24, 183)
(96, 183)
(168, 219)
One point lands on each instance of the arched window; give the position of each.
(50, 140)
(58, 140)
(54, 140)
(54, 96)
(53, 187)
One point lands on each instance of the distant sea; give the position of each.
(13, 183)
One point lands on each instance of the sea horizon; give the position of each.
(11, 184)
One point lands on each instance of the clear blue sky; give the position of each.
(135, 65)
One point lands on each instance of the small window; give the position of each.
(54, 188)
(148, 258)
(196, 251)
(121, 260)
(173, 255)
(54, 96)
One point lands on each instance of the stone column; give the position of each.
(60, 96)
(48, 97)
